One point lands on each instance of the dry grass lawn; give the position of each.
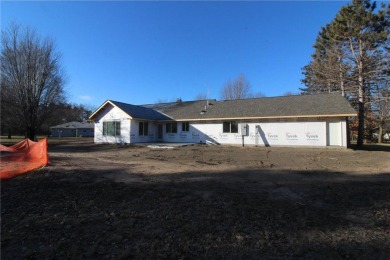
(198, 201)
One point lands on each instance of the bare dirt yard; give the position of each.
(198, 201)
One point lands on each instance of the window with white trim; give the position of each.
(143, 128)
(230, 127)
(111, 128)
(185, 126)
(171, 127)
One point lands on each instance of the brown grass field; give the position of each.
(198, 201)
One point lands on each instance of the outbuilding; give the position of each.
(73, 129)
(301, 120)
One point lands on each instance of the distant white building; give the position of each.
(302, 120)
(73, 129)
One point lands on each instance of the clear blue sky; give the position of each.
(144, 52)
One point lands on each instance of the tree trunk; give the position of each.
(341, 77)
(361, 100)
(9, 132)
(380, 131)
(348, 133)
(30, 133)
(360, 138)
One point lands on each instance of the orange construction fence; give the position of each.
(22, 157)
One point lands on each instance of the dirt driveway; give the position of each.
(198, 201)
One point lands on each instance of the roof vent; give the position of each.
(209, 104)
(203, 111)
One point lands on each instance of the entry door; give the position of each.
(159, 132)
(334, 133)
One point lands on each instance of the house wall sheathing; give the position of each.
(287, 133)
(273, 132)
(111, 113)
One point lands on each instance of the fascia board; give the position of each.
(260, 117)
(102, 106)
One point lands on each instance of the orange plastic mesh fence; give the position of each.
(22, 157)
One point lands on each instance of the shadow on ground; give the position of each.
(372, 147)
(245, 214)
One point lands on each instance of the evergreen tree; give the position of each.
(350, 54)
(327, 72)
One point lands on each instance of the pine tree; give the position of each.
(350, 54)
(327, 72)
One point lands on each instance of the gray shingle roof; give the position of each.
(317, 105)
(140, 112)
(74, 125)
(287, 106)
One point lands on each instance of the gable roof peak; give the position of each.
(133, 111)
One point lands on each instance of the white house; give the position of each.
(302, 120)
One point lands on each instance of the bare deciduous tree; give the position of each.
(31, 77)
(380, 103)
(201, 96)
(237, 89)
(257, 95)
(290, 93)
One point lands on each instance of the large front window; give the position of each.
(143, 128)
(230, 127)
(112, 128)
(171, 128)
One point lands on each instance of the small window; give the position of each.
(226, 127)
(143, 128)
(230, 127)
(233, 127)
(185, 127)
(171, 128)
(112, 128)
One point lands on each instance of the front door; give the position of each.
(159, 132)
(334, 133)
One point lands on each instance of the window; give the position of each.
(171, 127)
(112, 128)
(230, 127)
(185, 127)
(143, 128)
